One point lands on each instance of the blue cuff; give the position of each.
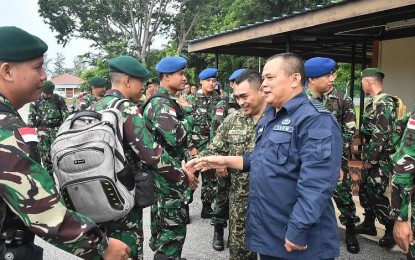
(246, 163)
(295, 237)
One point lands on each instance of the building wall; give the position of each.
(397, 60)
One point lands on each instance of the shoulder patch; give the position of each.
(28, 134)
(319, 106)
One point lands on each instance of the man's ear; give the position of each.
(6, 71)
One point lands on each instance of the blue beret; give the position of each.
(235, 74)
(128, 65)
(98, 82)
(208, 73)
(317, 67)
(19, 45)
(171, 64)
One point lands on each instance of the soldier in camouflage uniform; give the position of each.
(221, 206)
(402, 185)
(47, 115)
(30, 203)
(235, 137)
(127, 77)
(320, 77)
(377, 128)
(98, 88)
(152, 87)
(170, 120)
(186, 92)
(204, 103)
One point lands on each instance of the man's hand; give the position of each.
(402, 233)
(222, 172)
(193, 180)
(206, 163)
(291, 247)
(341, 175)
(183, 102)
(116, 250)
(193, 152)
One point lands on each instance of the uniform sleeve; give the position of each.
(83, 103)
(320, 149)
(381, 138)
(64, 109)
(137, 136)
(348, 128)
(30, 193)
(403, 175)
(221, 111)
(32, 115)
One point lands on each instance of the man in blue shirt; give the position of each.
(294, 169)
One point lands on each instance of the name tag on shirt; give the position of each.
(237, 132)
(283, 128)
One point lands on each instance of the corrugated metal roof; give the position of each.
(67, 79)
(273, 19)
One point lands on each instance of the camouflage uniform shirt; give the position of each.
(87, 100)
(32, 201)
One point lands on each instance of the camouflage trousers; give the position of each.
(46, 137)
(209, 184)
(129, 230)
(221, 207)
(168, 227)
(238, 206)
(372, 191)
(344, 200)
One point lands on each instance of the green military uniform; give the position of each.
(377, 127)
(342, 109)
(235, 137)
(87, 100)
(138, 150)
(33, 203)
(168, 215)
(204, 110)
(403, 177)
(47, 114)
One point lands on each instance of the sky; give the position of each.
(24, 14)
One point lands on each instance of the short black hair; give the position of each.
(252, 76)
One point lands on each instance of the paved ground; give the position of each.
(200, 232)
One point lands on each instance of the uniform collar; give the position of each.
(114, 92)
(292, 104)
(162, 90)
(6, 102)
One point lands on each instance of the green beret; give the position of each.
(153, 80)
(128, 65)
(98, 82)
(19, 45)
(48, 87)
(372, 72)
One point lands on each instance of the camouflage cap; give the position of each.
(48, 87)
(128, 65)
(372, 72)
(97, 82)
(154, 80)
(19, 45)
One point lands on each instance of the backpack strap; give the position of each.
(377, 99)
(171, 101)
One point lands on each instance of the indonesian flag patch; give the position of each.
(82, 102)
(138, 111)
(411, 123)
(172, 111)
(219, 112)
(28, 134)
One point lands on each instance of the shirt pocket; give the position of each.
(322, 144)
(278, 147)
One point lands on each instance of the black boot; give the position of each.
(206, 211)
(367, 227)
(187, 219)
(217, 242)
(387, 240)
(352, 244)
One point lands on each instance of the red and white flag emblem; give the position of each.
(411, 123)
(82, 102)
(28, 134)
(172, 111)
(219, 112)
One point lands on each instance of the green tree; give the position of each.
(59, 64)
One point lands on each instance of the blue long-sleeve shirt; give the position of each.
(294, 170)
